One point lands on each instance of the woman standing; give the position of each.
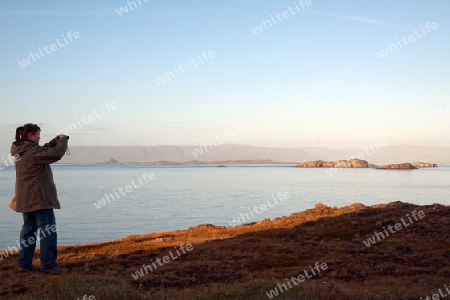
(36, 196)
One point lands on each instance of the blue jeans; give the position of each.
(44, 220)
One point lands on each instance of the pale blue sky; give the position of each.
(251, 78)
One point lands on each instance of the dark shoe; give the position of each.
(56, 270)
(30, 269)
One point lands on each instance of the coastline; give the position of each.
(192, 162)
(250, 260)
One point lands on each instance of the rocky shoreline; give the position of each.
(352, 163)
(383, 251)
(402, 166)
(359, 163)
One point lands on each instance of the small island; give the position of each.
(424, 165)
(402, 166)
(110, 161)
(352, 163)
(359, 163)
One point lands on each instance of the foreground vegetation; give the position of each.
(247, 262)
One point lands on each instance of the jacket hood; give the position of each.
(18, 148)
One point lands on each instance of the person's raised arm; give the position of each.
(52, 143)
(49, 154)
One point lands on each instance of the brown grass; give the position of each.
(246, 262)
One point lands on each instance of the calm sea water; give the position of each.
(184, 196)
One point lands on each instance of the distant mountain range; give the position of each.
(141, 154)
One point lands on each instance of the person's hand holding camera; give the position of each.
(62, 136)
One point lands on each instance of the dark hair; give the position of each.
(23, 131)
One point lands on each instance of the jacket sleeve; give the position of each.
(52, 143)
(48, 155)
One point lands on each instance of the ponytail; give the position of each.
(19, 133)
(23, 131)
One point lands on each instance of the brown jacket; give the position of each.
(35, 188)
